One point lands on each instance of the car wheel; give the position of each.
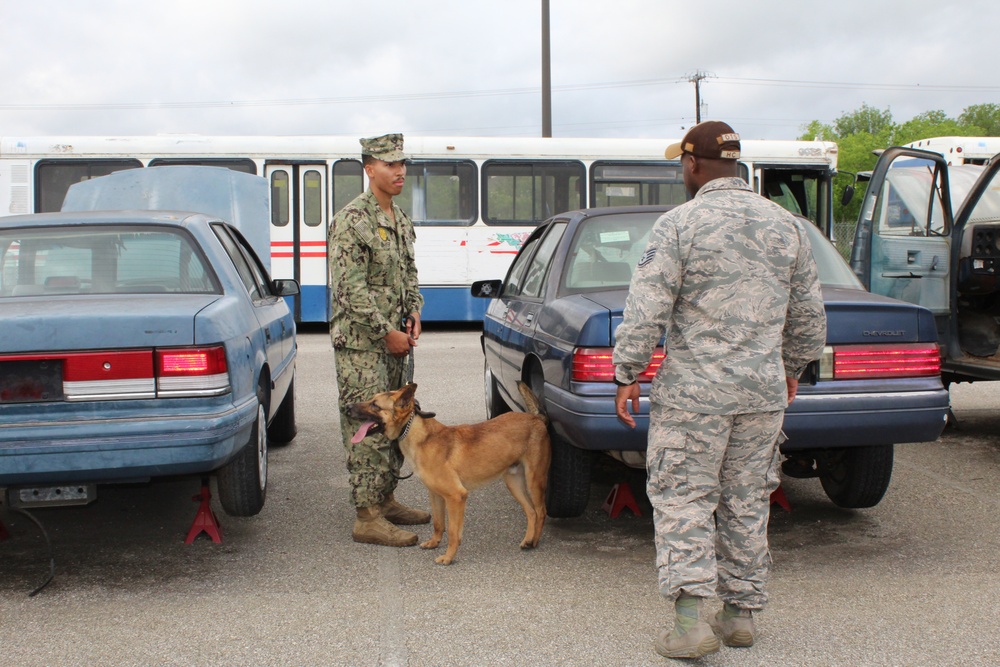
(495, 405)
(282, 429)
(569, 480)
(856, 477)
(242, 482)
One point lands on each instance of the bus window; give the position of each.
(348, 183)
(245, 165)
(802, 191)
(636, 183)
(280, 198)
(54, 177)
(526, 193)
(312, 200)
(439, 192)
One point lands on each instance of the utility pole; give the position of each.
(696, 79)
(546, 74)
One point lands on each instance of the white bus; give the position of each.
(473, 200)
(961, 150)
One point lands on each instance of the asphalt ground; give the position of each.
(912, 581)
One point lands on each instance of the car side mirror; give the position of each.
(848, 195)
(486, 289)
(285, 287)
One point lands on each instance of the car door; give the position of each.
(272, 312)
(902, 243)
(525, 290)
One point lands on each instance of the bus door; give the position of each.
(902, 243)
(299, 218)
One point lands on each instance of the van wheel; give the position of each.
(283, 429)
(242, 482)
(569, 480)
(856, 477)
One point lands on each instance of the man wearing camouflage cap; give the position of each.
(375, 323)
(730, 280)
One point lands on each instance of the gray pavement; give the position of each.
(910, 582)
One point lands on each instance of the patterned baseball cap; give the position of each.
(711, 139)
(388, 147)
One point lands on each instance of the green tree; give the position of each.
(931, 124)
(866, 119)
(983, 118)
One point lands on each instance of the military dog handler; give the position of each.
(729, 277)
(375, 323)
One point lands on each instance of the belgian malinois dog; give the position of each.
(453, 460)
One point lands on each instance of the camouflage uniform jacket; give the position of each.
(730, 277)
(373, 274)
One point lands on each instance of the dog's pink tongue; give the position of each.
(362, 432)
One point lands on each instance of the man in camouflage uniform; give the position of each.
(730, 279)
(374, 325)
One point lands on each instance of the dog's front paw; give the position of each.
(443, 560)
(430, 544)
(528, 544)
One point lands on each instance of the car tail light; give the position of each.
(593, 364)
(191, 371)
(114, 374)
(858, 362)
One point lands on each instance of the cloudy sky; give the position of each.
(619, 68)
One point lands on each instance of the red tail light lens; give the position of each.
(192, 371)
(593, 364)
(855, 362)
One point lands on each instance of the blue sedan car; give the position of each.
(140, 344)
(552, 320)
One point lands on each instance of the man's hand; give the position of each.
(622, 399)
(399, 343)
(793, 387)
(413, 326)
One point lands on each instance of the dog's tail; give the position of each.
(531, 403)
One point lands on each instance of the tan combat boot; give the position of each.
(371, 528)
(734, 625)
(690, 637)
(401, 515)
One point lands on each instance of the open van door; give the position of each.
(902, 243)
(930, 234)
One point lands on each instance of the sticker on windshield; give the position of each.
(615, 237)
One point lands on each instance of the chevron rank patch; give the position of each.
(647, 256)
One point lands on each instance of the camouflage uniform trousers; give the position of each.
(710, 478)
(373, 464)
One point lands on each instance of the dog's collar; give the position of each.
(406, 429)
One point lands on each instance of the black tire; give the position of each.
(856, 477)
(495, 405)
(283, 429)
(242, 482)
(569, 480)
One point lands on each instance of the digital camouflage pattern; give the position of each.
(730, 277)
(388, 147)
(373, 274)
(372, 464)
(710, 479)
(373, 286)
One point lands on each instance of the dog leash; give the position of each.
(407, 379)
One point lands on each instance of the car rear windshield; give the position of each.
(101, 260)
(607, 247)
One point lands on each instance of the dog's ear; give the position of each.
(404, 397)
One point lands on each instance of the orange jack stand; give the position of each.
(205, 519)
(620, 498)
(779, 498)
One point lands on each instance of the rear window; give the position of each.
(605, 249)
(102, 260)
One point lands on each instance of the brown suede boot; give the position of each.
(371, 528)
(401, 515)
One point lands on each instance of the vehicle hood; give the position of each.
(100, 321)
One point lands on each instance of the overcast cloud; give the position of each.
(619, 67)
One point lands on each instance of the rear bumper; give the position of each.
(119, 447)
(815, 420)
